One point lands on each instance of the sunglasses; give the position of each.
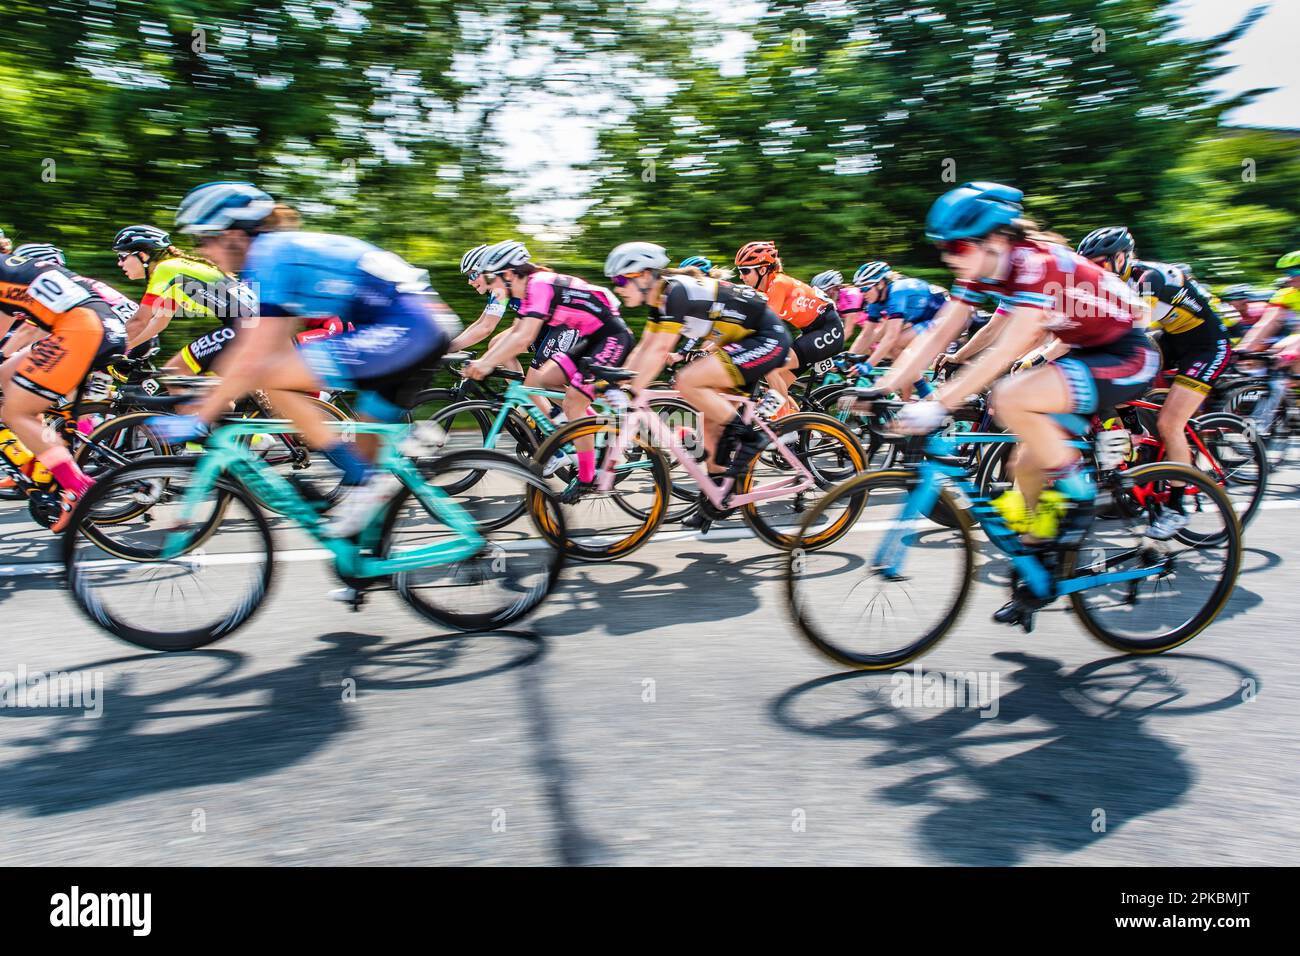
(621, 281)
(957, 247)
(746, 270)
(123, 256)
(474, 276)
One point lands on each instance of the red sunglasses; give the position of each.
(957, 247)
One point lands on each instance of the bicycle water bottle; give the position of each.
(1112, 448)
(21, 457)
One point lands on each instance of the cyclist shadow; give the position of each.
(1085, 762)
(636, 591)
(14, 584)
(163, 728)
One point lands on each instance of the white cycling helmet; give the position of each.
(216, 207)
(633, 257)
(470, 261)
(39, 251)
(504, 255)
(829, 279)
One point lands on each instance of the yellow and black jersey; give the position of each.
(711, 310)
(1180, 306)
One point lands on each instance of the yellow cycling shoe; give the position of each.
(1046, 522)
(1011, 506)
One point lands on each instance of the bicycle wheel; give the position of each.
(214, 584)
(117, 442)
(1151, 614)
(865, 607)
(1249, 400)
(468, 425)
(827, 448)
(599, 527)
(1229, 450)
(507, 578)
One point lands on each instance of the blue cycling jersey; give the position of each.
(912, 300)
(313, 274)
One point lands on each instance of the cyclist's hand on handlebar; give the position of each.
(921, 418)
(861, 399)
(476, 370)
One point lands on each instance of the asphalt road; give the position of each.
(658, 711)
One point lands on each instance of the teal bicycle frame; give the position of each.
(934, 475)
(225, 454)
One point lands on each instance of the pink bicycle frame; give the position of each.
(639, 416)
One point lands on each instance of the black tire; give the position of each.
(606, 541)
(475, 418)
(829, 450)
(1276, 433)
(1223, 561)
(1243, 467)
(813, 578)
(85, 568)
(423, 588)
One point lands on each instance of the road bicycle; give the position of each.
(796, 459)
(900, 579)
(198, 557)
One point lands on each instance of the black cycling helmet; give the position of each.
(141, 239)
(1107, 241)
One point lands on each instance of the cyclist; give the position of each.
(178, 284)
(495, 309)
(80, 326)
(999, 256)
(903, 307)
(750, 337)
(584, 324)
(1248, 305)
(1282, 312)
(400, 330)
(1193, 342)
(821, 331)
(848, 299)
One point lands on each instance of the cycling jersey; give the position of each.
(851, 305)
(796, 302)
(752, 339)
(82, 325)
(710, 308)
(1287, 298)
(1083, 304)
(401, 327)
(497, 307)
(190, 288)
(1180, 306)
(914, 301)
(569, 301)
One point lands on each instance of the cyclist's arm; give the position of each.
(947, 326)
(512, 343)
(892, 328)
(981, 339)
(263, 344)
(481, 328)
(1264, 328)
(650, 356)
(862, 345)
(145, 324)
(1023, 330)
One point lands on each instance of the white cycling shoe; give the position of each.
(1167, 524)
(358, 504)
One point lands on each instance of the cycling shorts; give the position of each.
(1104, 376)
(552, 339)
(1197, 367)
(822, 339)
(58, 363)
(389, 358)
(606, 347)
(203, 351)
(758, 353)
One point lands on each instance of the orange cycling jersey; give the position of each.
(796, 302)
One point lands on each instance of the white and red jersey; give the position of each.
(1083, 304)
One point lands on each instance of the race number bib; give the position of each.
(57, 292)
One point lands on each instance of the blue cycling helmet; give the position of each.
(972, 211)
(870, 273)
(698, 262)
(216, 207)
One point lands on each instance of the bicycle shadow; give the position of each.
(1094, 768)
(163, 727)
(638, 591)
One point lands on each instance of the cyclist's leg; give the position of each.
(197, 357)
(1024, 405)
(601, 349)
(1196, 374)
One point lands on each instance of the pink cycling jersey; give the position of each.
(569, 301)
(851, 305)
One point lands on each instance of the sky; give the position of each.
(1265, 56)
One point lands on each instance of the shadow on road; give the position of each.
(1084, 761)
(190, 720)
